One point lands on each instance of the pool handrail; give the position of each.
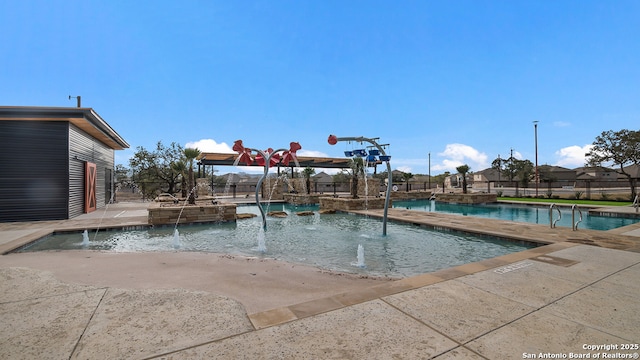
(574, 223)
(552, 223)
(635, 203)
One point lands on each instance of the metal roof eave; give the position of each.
(85, 118)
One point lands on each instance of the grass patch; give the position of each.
(569, 201)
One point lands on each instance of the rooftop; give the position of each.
(86, 119)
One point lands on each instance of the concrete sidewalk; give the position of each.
(559, 302)
(557, 299)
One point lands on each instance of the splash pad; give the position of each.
(371, 155)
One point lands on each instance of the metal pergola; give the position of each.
(220, 159)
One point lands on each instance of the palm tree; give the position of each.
(307, 172)
(463, 170)
(357, 168)
(406, 176)
(191, 154)
(181, 168)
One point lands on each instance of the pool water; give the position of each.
(328, 241)
(521, 213)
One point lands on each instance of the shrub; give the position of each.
(578, 195)
(499, 193)
(549, 194)
(604, 196)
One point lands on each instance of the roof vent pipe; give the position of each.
(77, 97)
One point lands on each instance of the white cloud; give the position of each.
(561, 124)
(311, 153)
(572, 156)
(327, 171)
(211, 146)
(406, 169)
(460, 154)
(517, 155)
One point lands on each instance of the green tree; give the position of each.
(307, 172)
(191, 154)
(463, 170)
(153, 171)
(406, 176)
(618, 148)
(513, 168)
(510, 168)
(121, 175)
(180, 167)
(440, 178)
(144, 167)
(524, 171)
(497, 164)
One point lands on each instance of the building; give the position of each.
(484, 178)
(57, 162)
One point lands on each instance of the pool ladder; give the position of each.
(574, 223)
(635, 203)
(552, 222)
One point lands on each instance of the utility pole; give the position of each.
(535, 130)
(511, 166)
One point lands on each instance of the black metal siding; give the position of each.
(33, 170)
(83, 147)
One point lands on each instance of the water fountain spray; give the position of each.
(267, 159)
(383, 156)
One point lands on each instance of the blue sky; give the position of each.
(460, 80)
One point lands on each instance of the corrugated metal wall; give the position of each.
(33, 170)
(83, 147)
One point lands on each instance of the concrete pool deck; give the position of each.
(576, 293)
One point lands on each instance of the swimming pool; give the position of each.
(515, 212)
(328, 241)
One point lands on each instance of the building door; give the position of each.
(90, 177)
(108, 187)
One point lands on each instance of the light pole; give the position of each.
(535, 130)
